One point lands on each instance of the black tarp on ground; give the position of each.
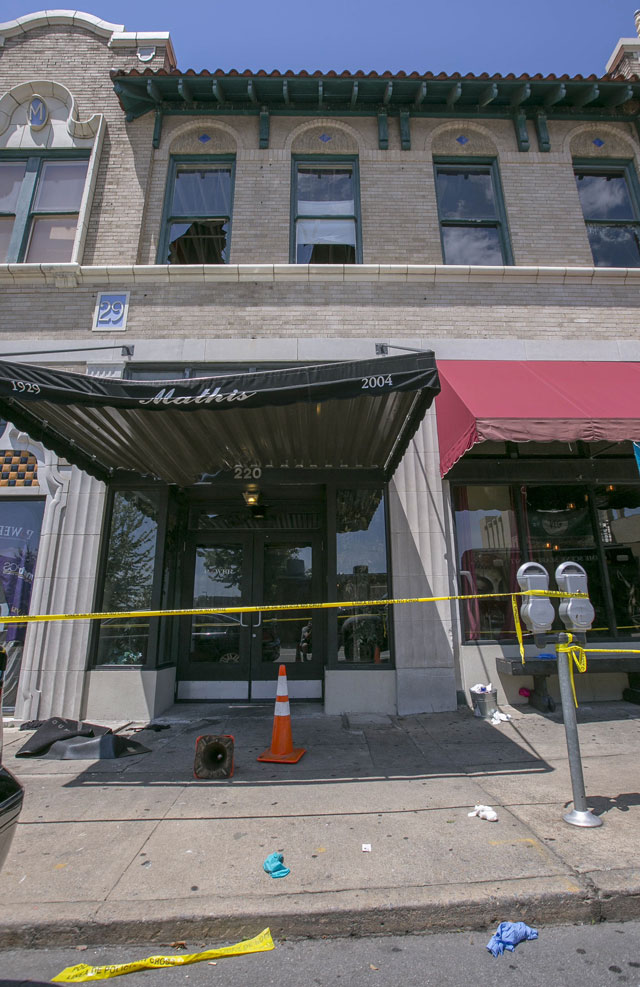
(73, 740)
(355, 415)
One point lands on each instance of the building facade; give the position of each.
(162, 232)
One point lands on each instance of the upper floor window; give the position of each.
(198, 206)
(40, 197)
(610, 207)
(325, 212)
(472, 219)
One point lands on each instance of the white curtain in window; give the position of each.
(345, 207)
(337, 231)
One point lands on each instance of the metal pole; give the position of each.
(580, 815)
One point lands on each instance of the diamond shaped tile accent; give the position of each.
(462, 139)
(204, 138)
(598, 142)
(325, 137)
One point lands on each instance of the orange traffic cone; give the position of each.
(282, 750)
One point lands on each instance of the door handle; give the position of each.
(242, 623)
(259, 619)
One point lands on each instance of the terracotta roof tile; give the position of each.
(361, 74)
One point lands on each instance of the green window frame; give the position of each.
(478, 235)
(33, 228)
(345, 224)
(615, 238)
(207, 238)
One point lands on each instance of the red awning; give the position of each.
(534, 401)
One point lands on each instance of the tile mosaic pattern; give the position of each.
(18, 469)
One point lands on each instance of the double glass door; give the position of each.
(237, 656)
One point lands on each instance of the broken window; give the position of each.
(198, 226)
(611, 214)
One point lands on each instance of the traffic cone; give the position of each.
(214, 756)
(282, 750)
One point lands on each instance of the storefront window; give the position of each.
(20, 525)
(128, 580)
(363, 632)
(619, 522)
(488, 559)
(559, 529)
(598, 527)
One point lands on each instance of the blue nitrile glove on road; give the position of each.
(508, 935)
(274, 866)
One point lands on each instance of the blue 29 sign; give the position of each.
(111, 311)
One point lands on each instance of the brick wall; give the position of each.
(81, 61)
(398, 205)
(333, 310)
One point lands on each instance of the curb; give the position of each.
(337, 915)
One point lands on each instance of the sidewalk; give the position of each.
(138, 850)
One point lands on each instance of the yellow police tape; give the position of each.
(266, 608)
(577, 654)
(82, 972)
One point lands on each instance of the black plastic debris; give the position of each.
(70, 740)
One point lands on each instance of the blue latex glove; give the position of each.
(274, 866)
(508, 935)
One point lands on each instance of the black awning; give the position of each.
(357, 415)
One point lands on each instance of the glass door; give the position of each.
(215, 652)
(237, 656)
(287, 570)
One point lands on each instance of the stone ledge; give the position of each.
(44, 275)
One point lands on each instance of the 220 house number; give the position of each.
(247, 472)
(379, 381)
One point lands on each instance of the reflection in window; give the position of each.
(218, 580)
(11, 176)
(287, 636)
(361, 549)
(611, 216)
(619, 522)
(472, 232)
(40, 225)
(558, 526)
(559, 529)
(488, 559)
(128, 582)
(172, 576)
(20, 524)
(199, 217)
(325, 214)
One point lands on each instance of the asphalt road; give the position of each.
(574, 956)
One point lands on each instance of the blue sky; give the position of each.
(573, 36)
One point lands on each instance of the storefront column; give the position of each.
(425, 674)
(55, 656)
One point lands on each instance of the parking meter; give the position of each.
(536, 611)
(576, 615)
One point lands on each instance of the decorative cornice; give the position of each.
(48, 18)
(115, 33)
(623, 45)
(149, 275)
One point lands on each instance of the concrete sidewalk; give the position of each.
(137, 850)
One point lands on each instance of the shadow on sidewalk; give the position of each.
(339, 750)
(600, 804)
